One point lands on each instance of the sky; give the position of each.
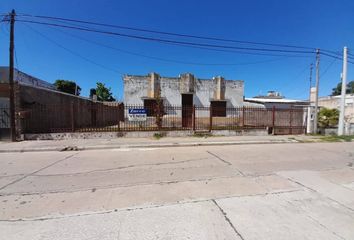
(51, 53)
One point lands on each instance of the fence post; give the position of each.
(72, 116)
(118, 126)
(210, 118)
(291, 119)
(273, 119)
(193, 118)
(243, 116)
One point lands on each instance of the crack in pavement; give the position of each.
(314, 190)
(27, 175)
(144, 207)
(214, 155)
(325, 227)
(227, 219)
(112, 186)
(119, 168)
(224, 161)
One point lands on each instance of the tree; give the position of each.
(67, 87)
(328, 117)
(338, 89)
(103, 93)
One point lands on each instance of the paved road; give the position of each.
(278, 191)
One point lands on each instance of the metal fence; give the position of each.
(4, 117)
(116, 117)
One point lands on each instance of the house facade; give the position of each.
(184, 90)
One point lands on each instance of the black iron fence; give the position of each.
(4, 117)
(119, 117)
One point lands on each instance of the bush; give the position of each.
(328, 117)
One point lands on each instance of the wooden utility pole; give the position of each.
(317, 91)
(11, 77)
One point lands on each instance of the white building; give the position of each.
(185, 90)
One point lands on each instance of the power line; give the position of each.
(213, 49)
(73, 52)
(173, 34)
(226, 50)
(331, 52)
(166, 40)
(178, 34)
(165, 59)
(328, 67)
(169, 33)
(340, 58)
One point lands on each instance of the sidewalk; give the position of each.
(95, 144)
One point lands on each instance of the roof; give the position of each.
(24, 79)
(274, 100)
(350, 95)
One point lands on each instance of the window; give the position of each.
(218, 108)
(151, 106)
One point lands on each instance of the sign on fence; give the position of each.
(137, 115)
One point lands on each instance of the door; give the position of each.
(187, 110)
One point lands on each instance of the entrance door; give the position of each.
(187, 110)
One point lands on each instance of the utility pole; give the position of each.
(344, 90)
(11, 77)
(309, 109)
(317, 90)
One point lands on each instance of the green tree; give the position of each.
(328, 117)
(103, 93)
(338, 89)
(67, 86)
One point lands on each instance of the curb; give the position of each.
(132, 146)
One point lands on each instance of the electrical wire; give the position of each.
(340, 58)
(218, 50)
(166, 59)
(171, 33)
(177, 34)
(328, 67)
(168, 33)
(73, 52)
(166, 40)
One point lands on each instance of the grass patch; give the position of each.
(158, 136)
(202, 135)
(333, 138)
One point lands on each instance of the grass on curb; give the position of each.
(202, 135)
(158, 136)
(334, 138)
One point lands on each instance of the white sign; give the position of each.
(137, 115)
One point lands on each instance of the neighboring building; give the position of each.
(24, 79)
(21, 79)
(334, 102)
(185, 90)
(275, 99)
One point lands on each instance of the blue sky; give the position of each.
(323, 24)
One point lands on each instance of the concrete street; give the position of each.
(254, 191)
